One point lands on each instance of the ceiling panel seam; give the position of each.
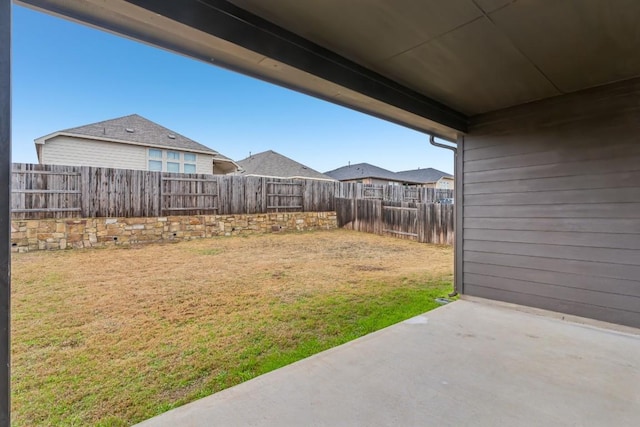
(238, 26)
(533, 64)
(423, 43)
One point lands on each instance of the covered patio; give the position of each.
(471, 362)
(540, 100)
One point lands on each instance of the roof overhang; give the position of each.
(44, 139)
(222, 34)
(427, 65)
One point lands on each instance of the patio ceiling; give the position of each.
(426, 64)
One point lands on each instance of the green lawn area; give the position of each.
(111, 337)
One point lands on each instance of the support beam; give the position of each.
(458, 192)
(5, 211)
(228, 22)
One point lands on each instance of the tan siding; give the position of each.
(552, 204)
(445, 183)
(64, 150)
(204, 163)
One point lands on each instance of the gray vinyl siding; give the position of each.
(552, 204)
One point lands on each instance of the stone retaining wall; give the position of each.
(50, 234)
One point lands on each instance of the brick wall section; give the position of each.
(51, 234)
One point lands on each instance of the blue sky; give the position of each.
(67, 75)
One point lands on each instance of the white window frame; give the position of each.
(165, 159)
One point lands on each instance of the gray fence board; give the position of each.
(53, 191)
(424, 222)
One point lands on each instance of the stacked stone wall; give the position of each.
(51, 234)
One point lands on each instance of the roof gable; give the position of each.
(270, 163)
(138, 130)
(423, 175)
(362, 171)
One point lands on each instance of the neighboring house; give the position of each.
(429, 177)
(366, 173)
(270, 163)
(130, 142)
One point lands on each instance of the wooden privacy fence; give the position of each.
(424, 222)
(53, 191)
(391, 193)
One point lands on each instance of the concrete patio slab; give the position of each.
(472, 362)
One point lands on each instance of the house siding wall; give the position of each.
(65, 150)
(204, 163)
(445, 184)
(374, 181)
(552, 204)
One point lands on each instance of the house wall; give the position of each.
(445, 184)
(375, 181)
(204, 163)
(66, 150)
(552, 204)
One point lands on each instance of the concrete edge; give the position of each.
(581, 321)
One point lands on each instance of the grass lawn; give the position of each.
(114, 336)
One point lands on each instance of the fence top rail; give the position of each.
(284, 183)
(18, 190)
(195, 208)
(38, 172)
(46, 210)
(398, 208)
(190, 194)
(168, 178)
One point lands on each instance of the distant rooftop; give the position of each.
(423, 176)
(362, 171)
(365, 170)
(270, 163)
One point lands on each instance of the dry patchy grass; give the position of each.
(114, 336)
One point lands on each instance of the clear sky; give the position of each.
(67, 75)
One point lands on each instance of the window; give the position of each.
(155, 165)
(171, 161)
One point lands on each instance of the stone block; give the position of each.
(134, 220)
(74, 238)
